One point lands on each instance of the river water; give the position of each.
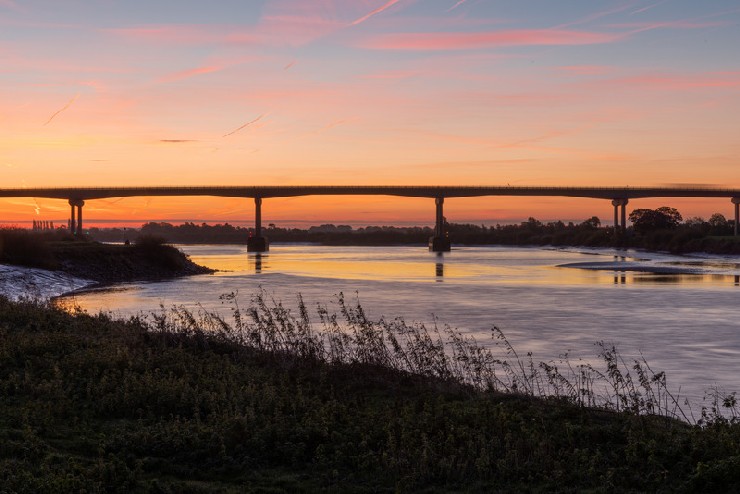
(681, 313)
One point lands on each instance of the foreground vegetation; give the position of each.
(149, 258)
(272, 402)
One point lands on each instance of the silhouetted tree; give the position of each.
(645, 220)
(592, 223)
(719, 225)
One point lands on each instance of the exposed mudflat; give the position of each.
(17, 282)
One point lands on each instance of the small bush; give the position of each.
(156, 250)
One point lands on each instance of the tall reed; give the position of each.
(347, 336)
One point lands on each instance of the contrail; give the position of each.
(243, 126)
(380, 9)
(638, 11)
(62, 109)
(459, 2)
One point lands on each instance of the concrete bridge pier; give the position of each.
(736, 202)
(75, 227)
(620, 213)
(440, 242)
(257, 243)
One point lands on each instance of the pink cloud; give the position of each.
(295, 30)
(468, 41)
(10, 4)
(587, 69)
(179, 34)
(392, 75)
(680, 81)
(186, 74)
(297, 22)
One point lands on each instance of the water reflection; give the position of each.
(641, 278)
(257, 259)
(439, 267)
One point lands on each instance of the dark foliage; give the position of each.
(647, 220)
(658, 229)
(27, 248)
(185, 403)
(150, 258)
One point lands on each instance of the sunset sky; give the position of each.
(366, 92)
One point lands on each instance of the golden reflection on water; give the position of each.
(125, 297)
(412, 264)
(415, 265)
(384, 266)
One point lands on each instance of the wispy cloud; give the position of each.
(245, 125)
(377, 11)
(391, 75)
(587, 69)
(468, 41)
(186, 34)
(11, 5)
(598, 15)
(638, 27)
(668, 81)
(177, 141)
(186, 74)
(295, 30)
(62, 109)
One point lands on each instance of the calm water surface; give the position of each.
(682, 313)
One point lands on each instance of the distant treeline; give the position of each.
(659, 229)
(531, 231)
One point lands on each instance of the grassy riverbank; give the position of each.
(147, 259)
(186, 403)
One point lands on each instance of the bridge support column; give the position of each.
(72, 220)
(615, 203)
(620, 211)
(75, 227)
(440, 242)
(257, 243)
(624, 215)
(736, 202)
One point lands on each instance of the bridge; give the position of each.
(619, 197)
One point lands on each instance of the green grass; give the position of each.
(184, 403)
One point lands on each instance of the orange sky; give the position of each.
(366, 92)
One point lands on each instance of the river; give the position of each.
(681, 313)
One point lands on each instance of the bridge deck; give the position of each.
(266, 191)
